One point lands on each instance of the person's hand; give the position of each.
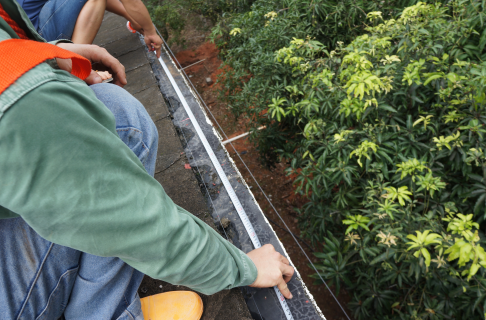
(153, 41)
(273, 269)
(105, 75)
(96, 55)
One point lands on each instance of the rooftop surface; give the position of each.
(179, 183)
(198, 189)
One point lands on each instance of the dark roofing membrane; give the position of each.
(262, 303)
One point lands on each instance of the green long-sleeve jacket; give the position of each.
(64, 170)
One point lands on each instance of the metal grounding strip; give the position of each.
(236, 202)
(274, 209)
(210, 198)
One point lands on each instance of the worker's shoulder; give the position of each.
(32, 79)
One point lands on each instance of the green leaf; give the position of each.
(431, 78)
(349, 229)
(426, 255)
(387, 108)
(382, 257)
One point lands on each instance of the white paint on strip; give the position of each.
(236, 202)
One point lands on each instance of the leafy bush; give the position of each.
(170, 16)
(248, 41)
(167, 17)
(386, 136)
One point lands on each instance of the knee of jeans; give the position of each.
(129, 114)
(154, 136)
(128, 111)
(151, 135)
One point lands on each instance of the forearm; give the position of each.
(137, 10)
(117, 7)
(66, 172)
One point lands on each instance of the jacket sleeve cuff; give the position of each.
(53, 62)
(55, 42)
(251, 271)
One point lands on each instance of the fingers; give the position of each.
(157, 52)
(99, 55)
(284, 289)
(65, 64)
(158, 48)
(154, 43)
(273, 269)
(118, 70)
(149, 43)
(93, 78)
(287, 272)
(105, 75)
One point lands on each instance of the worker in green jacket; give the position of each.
(81, 216)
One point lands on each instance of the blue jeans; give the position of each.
(57, 18)
(43, 280)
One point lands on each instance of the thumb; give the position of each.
(93, 78)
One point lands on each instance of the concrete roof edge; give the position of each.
(227, 155)
(208, 120)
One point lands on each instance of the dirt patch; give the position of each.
(274, 182)
(194, 34)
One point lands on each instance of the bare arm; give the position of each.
(137, 10)
(117, 7)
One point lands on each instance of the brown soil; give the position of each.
(274, 182)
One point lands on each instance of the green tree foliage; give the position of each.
(168, 17)
(249, 36)
(386, 137)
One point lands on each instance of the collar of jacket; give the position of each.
(18, 14)
(34, 77)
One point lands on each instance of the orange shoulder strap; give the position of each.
(19, 56)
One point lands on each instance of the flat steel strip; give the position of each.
(234, 198)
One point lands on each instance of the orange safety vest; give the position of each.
(21, 55)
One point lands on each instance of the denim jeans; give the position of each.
(43, 280)
(57, 18)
